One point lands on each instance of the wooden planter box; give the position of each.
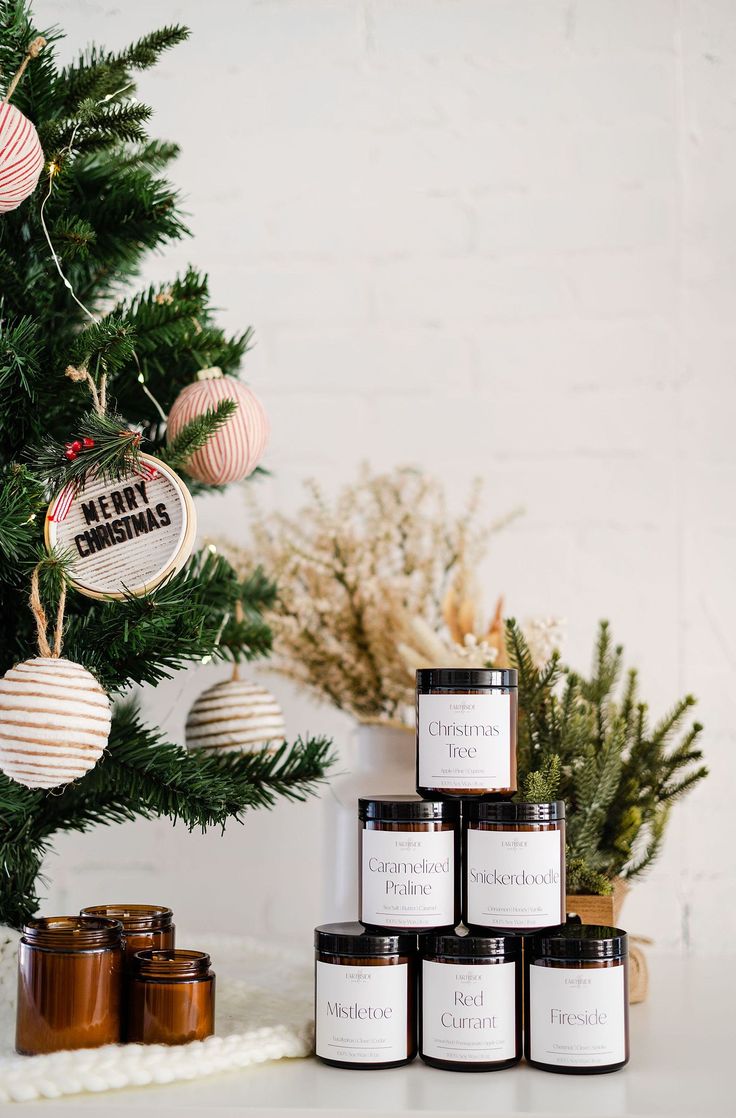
(607, 911)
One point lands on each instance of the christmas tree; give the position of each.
(88, 372)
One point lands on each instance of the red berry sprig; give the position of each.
(72, 449)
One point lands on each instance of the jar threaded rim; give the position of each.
(72, 933)
(134, 917)
(171, 964)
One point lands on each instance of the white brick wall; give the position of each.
(487, 236)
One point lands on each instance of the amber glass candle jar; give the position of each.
(144, 925)
(364, 997)
(576, 999)
(409, 863)
(69, 984)
(514, 865)
(470, 1002)
(170, 997)
(466, 732)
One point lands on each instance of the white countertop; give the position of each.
(683, 1055)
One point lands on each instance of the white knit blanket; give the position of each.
(264, 1012)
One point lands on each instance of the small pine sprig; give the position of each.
(195, 435)
(113, 453)
(583, 879)
(543, 785)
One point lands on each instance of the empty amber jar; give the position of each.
(144, 925)
(69, 984)
(170, 997)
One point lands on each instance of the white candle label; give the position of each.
(577, 1016)
(124, 536)
(469, 1011)
(361, 1013)
(464, 741)
(514, 878)
(408, 879)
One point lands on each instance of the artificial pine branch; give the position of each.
(93, 128)
(146, 638)
(20, 498)
(144, 776)
(108, 344)
(20, 351)
(98, 73)
(72, 237)
(115, 453)
(155, 155)
(196, 433)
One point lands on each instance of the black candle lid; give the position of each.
(466, 677)
(407, 809)
(503, 811)
(467, 946)
(353, 939)
(579, 941)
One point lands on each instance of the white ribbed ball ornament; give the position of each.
(236, 448)
(21, 158)
(54, 722)
(235, 717)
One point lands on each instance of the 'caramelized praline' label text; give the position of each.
(408, 878)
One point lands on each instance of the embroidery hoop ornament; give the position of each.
(63, 522)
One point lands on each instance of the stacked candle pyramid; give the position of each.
(406, 977)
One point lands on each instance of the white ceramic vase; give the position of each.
(380, 761)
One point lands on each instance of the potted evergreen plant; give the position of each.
(590, 741)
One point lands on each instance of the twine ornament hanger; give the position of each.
(240, 618)
(42, 624)
(33, 50)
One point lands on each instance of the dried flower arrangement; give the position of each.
(380, 583)
(376, 584)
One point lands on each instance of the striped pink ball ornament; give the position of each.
(21, 158)
(236, 448)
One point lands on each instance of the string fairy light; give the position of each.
(53, 170)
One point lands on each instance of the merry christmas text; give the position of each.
(123, 514)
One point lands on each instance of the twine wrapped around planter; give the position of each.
(607, 910)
